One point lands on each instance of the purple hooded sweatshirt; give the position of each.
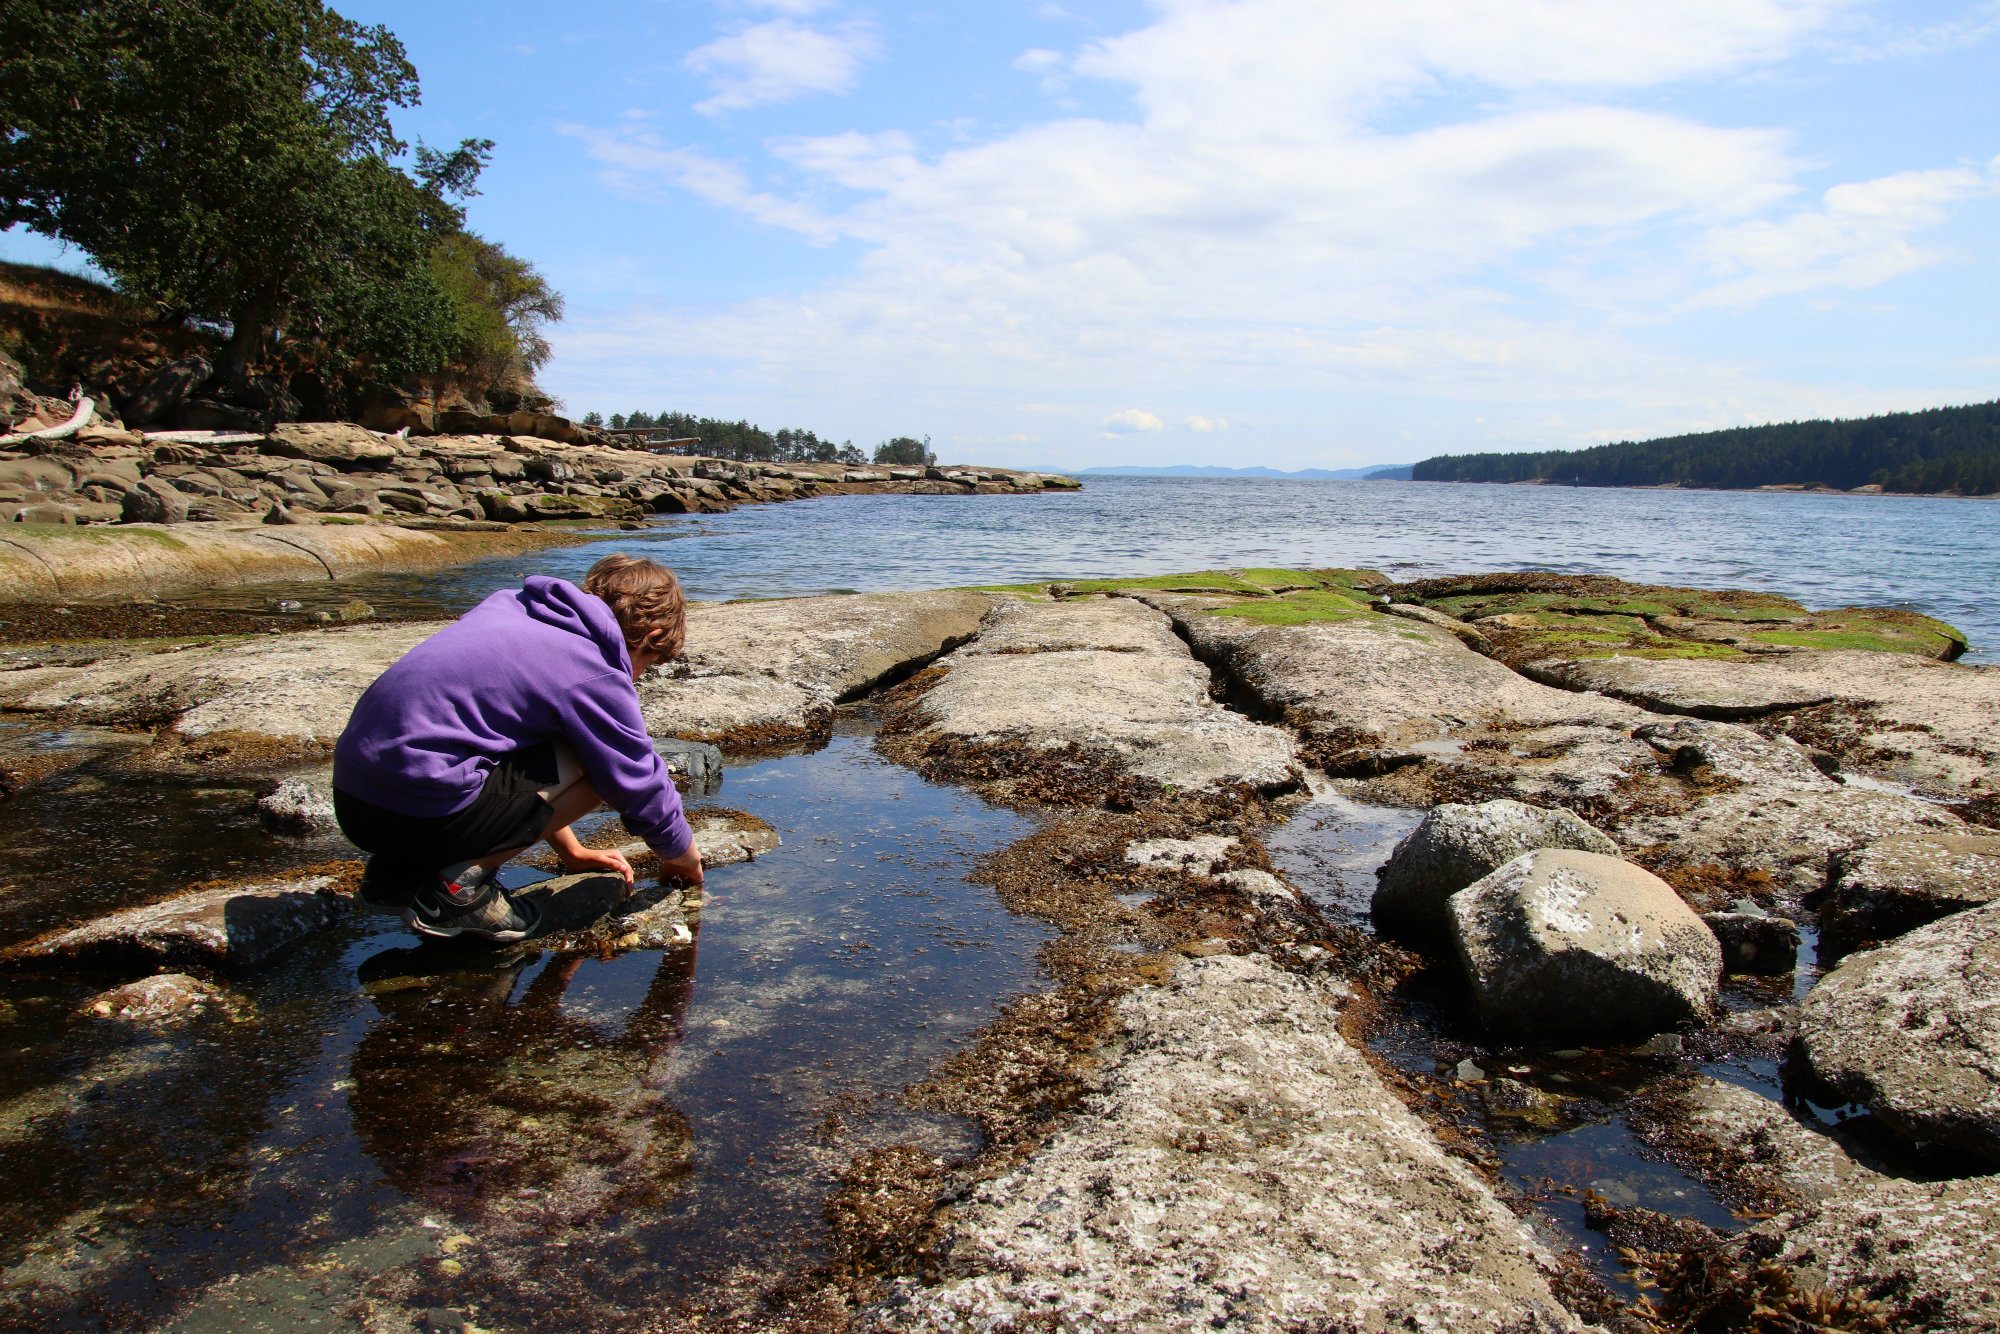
(543, 663)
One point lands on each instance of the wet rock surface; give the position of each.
(52, 564)
(1559, 943)
(298, 807)
(228, 927)
(1754, 941)
(598, 911)
(1911, 1031)
(1237, 1165)
(164, 998)
(1457, 844)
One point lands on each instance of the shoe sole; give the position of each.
(528, 908)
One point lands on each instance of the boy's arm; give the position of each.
(685, 868)
(576, 857)
(600, 718)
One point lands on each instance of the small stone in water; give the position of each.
(1468, 1071)
(287, 605)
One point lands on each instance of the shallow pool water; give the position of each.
(525, 1138)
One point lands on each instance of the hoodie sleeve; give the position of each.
(600, 718)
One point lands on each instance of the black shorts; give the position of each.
(508, 813)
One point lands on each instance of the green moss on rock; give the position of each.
(1317, 606)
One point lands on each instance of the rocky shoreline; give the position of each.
(106, 511)
(1633, 800)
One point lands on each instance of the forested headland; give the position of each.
(742, 440)
(1954, 449)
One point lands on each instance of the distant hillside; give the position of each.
(1940, 449)
(1373, 472)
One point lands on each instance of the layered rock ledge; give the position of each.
(315, 500)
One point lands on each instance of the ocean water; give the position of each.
(1937, 556)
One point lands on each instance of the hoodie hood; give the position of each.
(560, 603)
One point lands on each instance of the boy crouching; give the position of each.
(498, 732)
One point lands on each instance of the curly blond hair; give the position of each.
(646, 599)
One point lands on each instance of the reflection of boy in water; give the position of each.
(502, 729)
(464, 1098)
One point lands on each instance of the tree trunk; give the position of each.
(246, 344)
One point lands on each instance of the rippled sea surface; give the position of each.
(1937, 556)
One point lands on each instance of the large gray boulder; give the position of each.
(1911, 1031)
(1900, 884)
(1457, 844)
(1559, 943)
(231, 927)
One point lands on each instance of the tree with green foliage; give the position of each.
(499, 303)
(906, 450)
(742, 440)
(233, 161)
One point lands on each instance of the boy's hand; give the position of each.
(593, 859)
(685, 868)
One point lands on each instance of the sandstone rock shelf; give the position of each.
(110, 511)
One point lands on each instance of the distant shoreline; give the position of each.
(1776, 488)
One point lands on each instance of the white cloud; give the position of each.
(1206, 425)
(1861, 235)
(798, 9)
(1131, 420)
(1038, 60)
(1979, 24)
(634, 161)
(779, 60)
(1292, 207)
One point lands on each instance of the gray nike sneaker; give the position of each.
(451, 908)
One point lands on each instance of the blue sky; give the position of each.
(1298, 233)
